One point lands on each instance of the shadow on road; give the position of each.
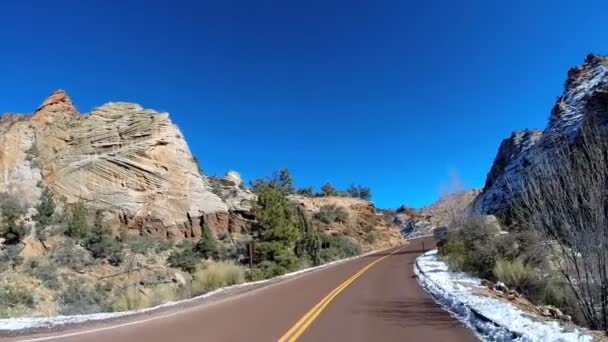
(405, 252)
(411, 313)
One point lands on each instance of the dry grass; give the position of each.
(216, 275)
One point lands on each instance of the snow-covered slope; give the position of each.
(585, 100)
(491, 318)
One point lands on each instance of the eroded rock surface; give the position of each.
(584, 101)
(120, 157)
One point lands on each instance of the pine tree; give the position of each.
(328, 190)
(275, 230)
(285, 182)
(45, 209)
(77, 221)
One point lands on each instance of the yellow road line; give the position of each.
(298, 329)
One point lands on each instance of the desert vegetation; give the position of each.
(70, 258)
(554, 247)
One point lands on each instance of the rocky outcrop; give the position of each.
(585, 101)
(364, 219)
(121, 157)
(420, 222)
(512, 159)
(237, 197)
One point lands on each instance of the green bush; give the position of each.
(12, 228)
(44, 271)
(185, 259)
(207, 246)
(516, 274)
(148, 244)
(12, 296)
(101, 244)
(328, 189)
(331, 213)
(309, 244)
(370, 237)
(72, 256)
(78, 298)
(9, 257)
(557, 292)
(337, 247)
(307, 191)
(77, 221)
(45, 209)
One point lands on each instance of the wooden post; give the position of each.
(423, 249)
(251, 256)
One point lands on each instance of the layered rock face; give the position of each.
(120, 157)
(584, 102)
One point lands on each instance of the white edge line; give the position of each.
(209, 294)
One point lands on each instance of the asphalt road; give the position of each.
(373, 298)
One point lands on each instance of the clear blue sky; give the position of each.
(389, 94)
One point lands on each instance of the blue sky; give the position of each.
(395, 95)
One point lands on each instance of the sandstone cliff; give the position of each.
(121, 157)
(585, 100)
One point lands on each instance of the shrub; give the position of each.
(12, 228)
(370, 237)
(557, 292)
(162, 294)
(70, 255)
(45, 209)
(358, 191)
(217, 275)
(328, 190)
(346, 246)
(207, 246)
(453, 251)
(12, 296)
(309, 244)
(77, 217)
(101, 244)
(307, 191)
(331, 213)
(130, 298)
(275, 253)
(78, 298)
(147, 244)
(517, 274)
(9, 257)
(45, 271)
(337, 247)
(185, 259)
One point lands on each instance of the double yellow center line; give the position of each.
(298, 329)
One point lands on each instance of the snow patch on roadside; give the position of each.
(492, 319)
(24, 323)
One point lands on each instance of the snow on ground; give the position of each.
(492, 319)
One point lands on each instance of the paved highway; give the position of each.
(372, 298)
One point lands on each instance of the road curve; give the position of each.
(372, 298)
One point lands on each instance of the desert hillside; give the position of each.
(109, 211)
